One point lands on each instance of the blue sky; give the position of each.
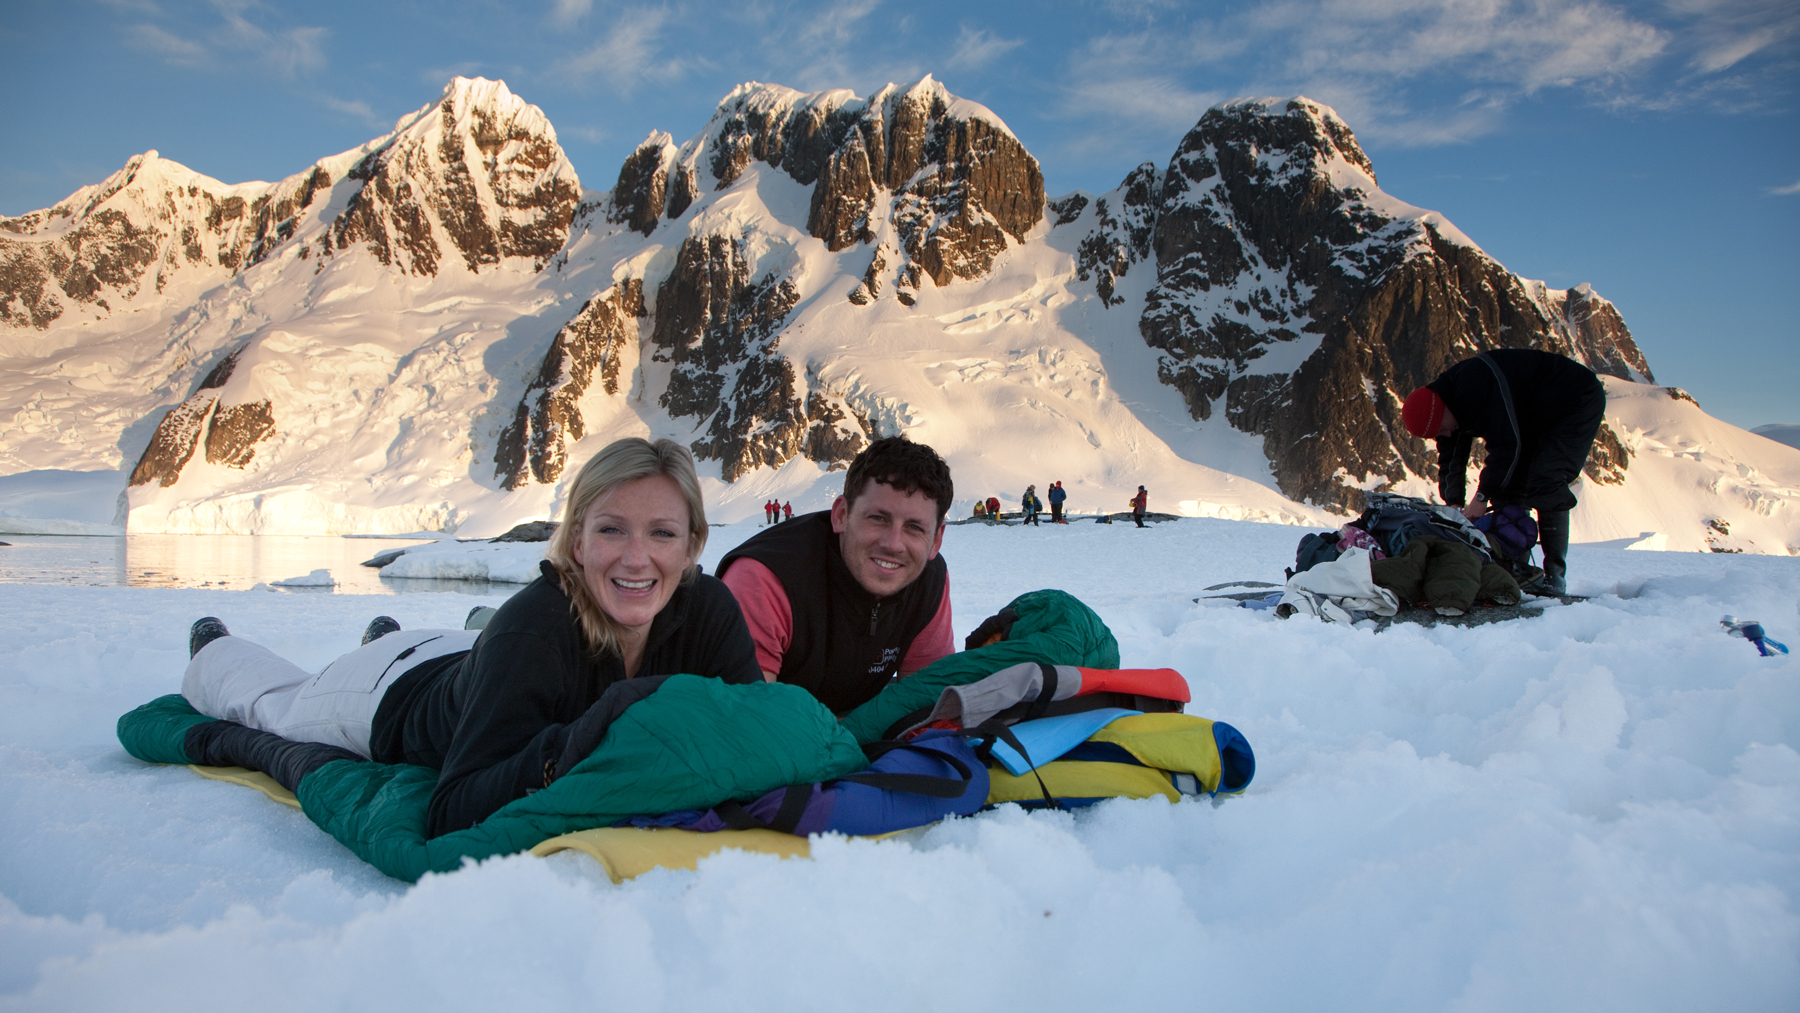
(1651, 149)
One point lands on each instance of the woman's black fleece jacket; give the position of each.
(524, 705)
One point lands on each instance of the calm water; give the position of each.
(235, 562)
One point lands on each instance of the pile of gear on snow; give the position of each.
(1404, 551)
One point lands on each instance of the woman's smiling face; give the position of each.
(633, 548)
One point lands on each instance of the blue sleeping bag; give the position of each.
(848, 807)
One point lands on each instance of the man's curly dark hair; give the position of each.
(905, 466)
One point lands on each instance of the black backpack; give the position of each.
(1315, 548)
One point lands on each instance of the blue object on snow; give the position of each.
(1265, 602)
(1752, 631)
(1048, 738)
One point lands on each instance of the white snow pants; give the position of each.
(237, 680)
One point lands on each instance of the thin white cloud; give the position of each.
(235, 40)
(1724, 33)
(1389, 66)
(134, 6)
(1786, 191)
(568, 13)
(626, 54)
(179, 51)
(976, 47)
(357, 108)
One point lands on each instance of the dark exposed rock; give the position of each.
(1304, 313)
(176, 436)
(586, 349)
(1122, 237)
(843, 200)
(1608, 460)
(234, 431)
(1069, 208)
(684, 189)
(953, 222)
(958, 187)
(720, 329)
(637, 199)
(870, 288)
(491, 147)
(530, 531)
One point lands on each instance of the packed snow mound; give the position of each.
(1695, 484)
(507, 562)
(1591, 809)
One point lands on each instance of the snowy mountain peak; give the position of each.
(478, 177)
(1321, 128)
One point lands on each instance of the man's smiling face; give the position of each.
(887, 537)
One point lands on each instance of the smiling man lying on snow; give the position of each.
(843, 601)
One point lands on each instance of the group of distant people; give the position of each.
(839, 602)
(775, 511)
(1030, 507)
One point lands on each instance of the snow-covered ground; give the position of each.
(1598, 808)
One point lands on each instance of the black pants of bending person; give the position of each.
(1553, 463)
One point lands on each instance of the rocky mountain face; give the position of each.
(431, 330)
(1301, 304)
(942, 177)
(480, 178)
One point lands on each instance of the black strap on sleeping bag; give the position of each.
(993, 729)
(1046, 693)
(929, 785)
(793, 806)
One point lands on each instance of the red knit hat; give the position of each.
(1423, 413)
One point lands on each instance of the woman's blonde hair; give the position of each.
(617, 463)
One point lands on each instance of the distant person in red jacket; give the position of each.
(993, 508)
(787, 510)
(1056, 503)
(1139, 504)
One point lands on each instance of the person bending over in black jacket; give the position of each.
(1537, 413)
(504, 711)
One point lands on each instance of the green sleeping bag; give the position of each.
(694, 743)
(1052, 627)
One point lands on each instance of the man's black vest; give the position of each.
(847, 643)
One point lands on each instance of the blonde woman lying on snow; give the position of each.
(503, 710)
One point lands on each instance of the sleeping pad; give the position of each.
(694, 743)
(691, 745)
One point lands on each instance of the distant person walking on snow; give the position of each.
(1139, 504)
(1030, 505)
(1537, 413)
(768, 511)
(1056, 503)
(787, 510)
